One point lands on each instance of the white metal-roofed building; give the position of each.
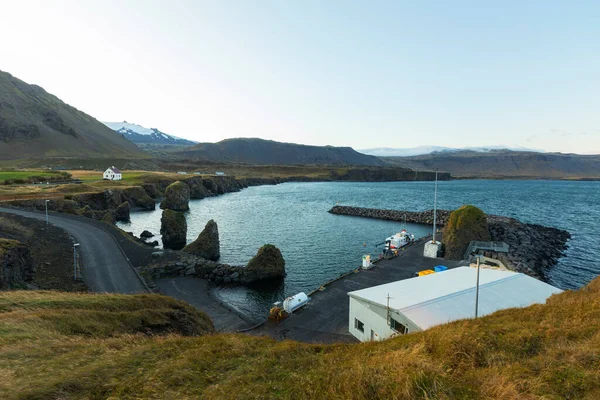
(112, 173)
(419, 303)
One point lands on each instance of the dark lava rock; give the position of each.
(197, 189)
(464, 225)
(122, 212)
(16, 265)
(207, 243)
(151, 190)
(268, 263)
(152, 244)
(137, 197)
(177, 197)
(112, 198)
(173, 229)
(146, 234)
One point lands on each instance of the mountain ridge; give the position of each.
(506, 164)
(141, 135)
(262, 151)
(37, 124)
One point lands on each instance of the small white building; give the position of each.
(417, 304)
(219, 173)
(112, 174)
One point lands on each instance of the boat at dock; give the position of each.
(398, 241)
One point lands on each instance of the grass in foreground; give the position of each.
(55, 345)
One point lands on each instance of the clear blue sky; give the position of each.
(362, 74)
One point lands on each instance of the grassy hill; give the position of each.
(505, 163)
(76, 346)
(36, 124)
(268, 152)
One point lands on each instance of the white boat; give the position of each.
(398, 241)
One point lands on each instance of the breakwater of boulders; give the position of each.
(533, 249)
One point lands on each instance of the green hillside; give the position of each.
(84, 346)
(36, 124)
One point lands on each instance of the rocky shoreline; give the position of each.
(533, 248)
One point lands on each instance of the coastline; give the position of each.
(533, 248)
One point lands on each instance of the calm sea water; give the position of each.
(319, 246)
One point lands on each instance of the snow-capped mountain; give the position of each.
(417, 151)
(140, 135)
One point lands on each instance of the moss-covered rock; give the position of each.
(109, 217)
(268, 263)
(207, 243)
(173, 229)
(122, 212)
(464, 225)
(177, 197)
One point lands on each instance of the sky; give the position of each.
(363, 74)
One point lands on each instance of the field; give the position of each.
(80, 346)
(9, 176)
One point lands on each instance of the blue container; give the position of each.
(440, 268)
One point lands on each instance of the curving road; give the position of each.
(105, 268)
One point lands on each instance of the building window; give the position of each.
(398, 327)
(359, 325)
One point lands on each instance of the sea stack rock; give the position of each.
(464, 225)
(173, 229)
(122, 212)
(177, 197)
(268, 263)
(207, 244)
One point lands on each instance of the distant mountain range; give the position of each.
(505, 164)
(415, 151)
(259, 151)
(140, 135)
(37, 124)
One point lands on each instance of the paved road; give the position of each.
(105, 268)
(195, 291)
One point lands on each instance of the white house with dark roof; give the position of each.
(416, 304)
(112, 174)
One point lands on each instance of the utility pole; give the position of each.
(46, 203)
(388, 310)
(435, 208)
(75, 245)
(477, 289)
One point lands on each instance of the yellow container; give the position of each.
(426, 272)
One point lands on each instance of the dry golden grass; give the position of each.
(56, 345)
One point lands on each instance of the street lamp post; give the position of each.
(46, 203)
(435, 208)
(75, 245)
(477, 289)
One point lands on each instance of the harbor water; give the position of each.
(319, 246)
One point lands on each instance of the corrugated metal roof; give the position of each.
(450, 295)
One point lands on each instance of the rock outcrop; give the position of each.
(137, 197)
(122, 211)
(173, 229)
(464, 225)
(16, 265)
(146, 234)
(268, 263)
(207, 244)
(197, 188)
(177, 197)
